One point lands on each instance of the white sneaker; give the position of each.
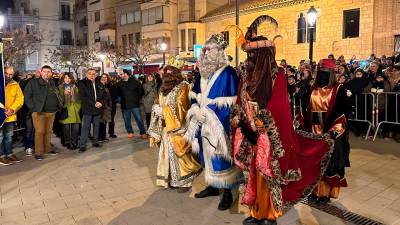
(29, 151)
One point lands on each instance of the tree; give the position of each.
(115, 55)
(75, 57)
(137, 54)
(18, 45)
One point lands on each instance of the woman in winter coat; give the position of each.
(106, 113)
(70, 93)
(150, 92)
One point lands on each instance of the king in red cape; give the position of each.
(282, 165)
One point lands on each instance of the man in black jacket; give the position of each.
(131, 92)
(42, 100)
(92, 98)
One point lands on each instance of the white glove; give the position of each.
(349, 93)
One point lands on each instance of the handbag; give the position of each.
(62, 112)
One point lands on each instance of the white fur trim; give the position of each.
(213, 130)
(195, 146)
(194, 96)
(225, 179)
(223, 101)
(206, 86)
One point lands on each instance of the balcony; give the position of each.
(107, 26)
(67, 41)
(83, 22)
(185, 17)
(66, 17)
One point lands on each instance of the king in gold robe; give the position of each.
(176, 165)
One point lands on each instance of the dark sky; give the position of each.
(4, 4)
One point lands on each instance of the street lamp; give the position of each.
(163, 47)
(69, 63)
(311, 19)
(102, 57)
(2, 19)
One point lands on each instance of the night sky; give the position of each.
(4, 4)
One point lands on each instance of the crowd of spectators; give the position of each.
(373, 75)
(76, 111)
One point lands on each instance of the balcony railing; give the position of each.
(83, 23)
(66, 18)
(107, 26)
(67, 41)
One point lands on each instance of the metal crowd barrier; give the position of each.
(368, 111)
(390, 116)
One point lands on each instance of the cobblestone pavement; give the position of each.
(115, 185)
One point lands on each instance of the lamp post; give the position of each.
(163, 47)
(102, 57)
(69, 63)
(311, 19)
(237, 24)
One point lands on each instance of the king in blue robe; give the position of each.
(209, 130)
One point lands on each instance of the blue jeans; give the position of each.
(138, 118)
(6, 133)
(29, 133)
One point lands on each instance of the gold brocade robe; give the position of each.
(176, 164)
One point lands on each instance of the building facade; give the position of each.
(101, 23)
(191, 30)
(128, 23)
(56, 26)
(81, 23)
(346, 27)
(28, 22)
(52, 20)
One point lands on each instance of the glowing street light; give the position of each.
(311, 20)
(163, 47)
(2, 20)
(102, 57)
(69, 63)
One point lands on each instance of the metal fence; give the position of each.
(376, 110)
(387, 110)
(362, 110)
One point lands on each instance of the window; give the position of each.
(351, 23)
(137, 38)
(154, 15)
(123, 19)
(30, 28)
(192, 10)
(65, 12)
(137, 16)
(130, 39)
(159, 14)
(129, 18)
(97, 16)
(85, 39)
(124, 41)
(192, 39)
(96, 36)
(183, 40)
(226, 36)
(66, 37)
(301, 29)
(33, 59)
(397, 43)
